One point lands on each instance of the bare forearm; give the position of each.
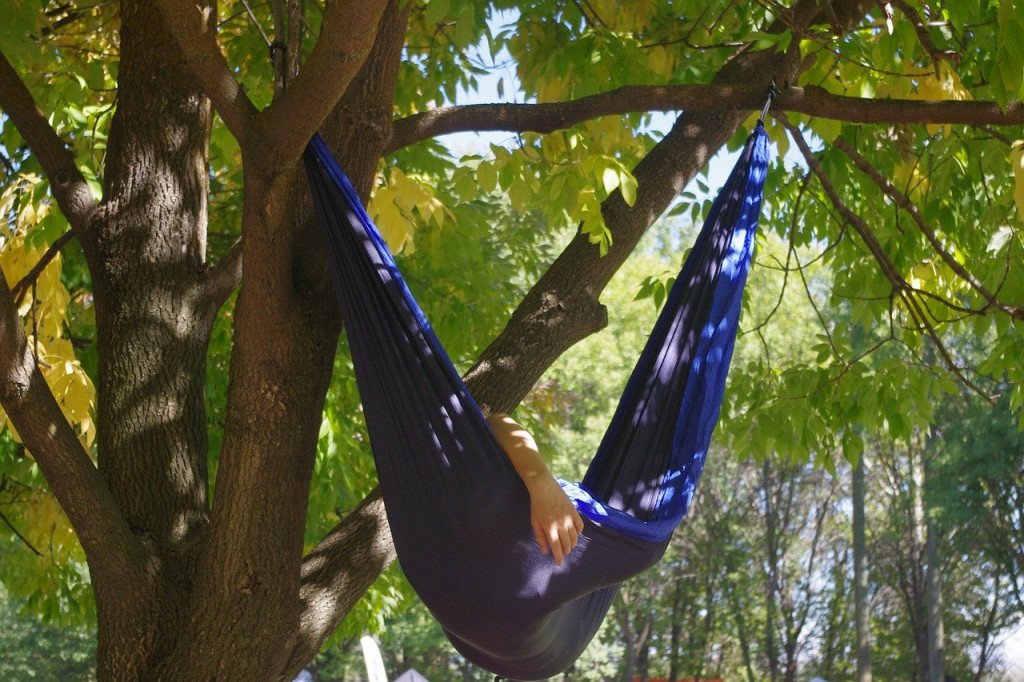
(520, 447)
(556, 523)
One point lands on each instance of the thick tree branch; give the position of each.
(346, 37)
(194, 32)
(563, 305)
(74, 480)
(58, 162)
(358, 128)
(337, 572)
(904, 202)
(810, 100)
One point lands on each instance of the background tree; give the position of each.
(197, 293)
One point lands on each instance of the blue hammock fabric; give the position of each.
(459, 514)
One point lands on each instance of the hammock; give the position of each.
(459, 514)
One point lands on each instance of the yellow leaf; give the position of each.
(943, 85)
(660, 60)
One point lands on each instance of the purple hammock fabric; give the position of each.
(459, 514)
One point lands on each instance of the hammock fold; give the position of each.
(458, 512)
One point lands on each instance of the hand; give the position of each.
(556, 523)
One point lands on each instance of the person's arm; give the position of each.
(556, 523)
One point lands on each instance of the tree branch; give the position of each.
(194, 31)
(563, 307)
(69, 186)
(339, 570)
(21, 537)
(899, 285)
(346, 37)
(924, 37)
(45, 431)
(904, 202)
(331, 580)
(811, 100)
(19, 289)
(222, 279)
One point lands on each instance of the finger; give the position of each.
(577, 522)
(564, 543)
(542, 540)
(557, 547)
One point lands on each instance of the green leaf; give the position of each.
(487, 176)
(610, 179)
(436, 11)
(465, 28)
(628, 187)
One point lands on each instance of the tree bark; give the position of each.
(811, 100)
(146, 254)
(255, 586)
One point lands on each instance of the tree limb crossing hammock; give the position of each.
(459, 514)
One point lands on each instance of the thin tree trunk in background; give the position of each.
(709, 614)
(860, 577)
(933, 585)
(677, 621)
(770, 513)
(741, 624)
(918, 584)
(643, 657)
(621, 613)
(986, 633)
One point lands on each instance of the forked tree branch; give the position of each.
(196, 37)
(347, 34)
(904, 202)
(900, 287)
(811, 100)
(69, 186)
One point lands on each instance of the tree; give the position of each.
(114, 104)
(34, 649)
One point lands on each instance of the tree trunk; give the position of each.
(770, 512)
(643, 657)
(860, 577)
(677, 621)
(741, 631)
(918, 600)
(215, 593)
(933, 580)
(985, 648)
(146, 253)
